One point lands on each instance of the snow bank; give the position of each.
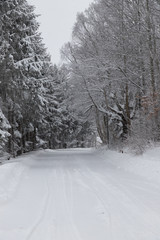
(146, 165)
(10, 175)
(11, 172)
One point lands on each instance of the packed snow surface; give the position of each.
(80, 195)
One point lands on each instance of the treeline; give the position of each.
(33, 107)
(114, 64)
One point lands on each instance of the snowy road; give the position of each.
(77, 195)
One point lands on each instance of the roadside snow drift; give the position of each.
(81, 195)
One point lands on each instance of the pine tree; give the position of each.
(4, 134)
(24, 65)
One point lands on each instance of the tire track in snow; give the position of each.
(43, 211)
(60, 210)
(116, 206)
(69, 204)
(128, 197)
(67, 214)
(95, 192)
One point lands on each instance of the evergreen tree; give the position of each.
(24, 65)
(4, 134)
(31, 88)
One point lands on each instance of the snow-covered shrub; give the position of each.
(136, 145)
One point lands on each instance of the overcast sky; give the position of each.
(56, 20)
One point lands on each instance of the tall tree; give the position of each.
(114, 56)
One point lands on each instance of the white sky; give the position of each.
(57, 20)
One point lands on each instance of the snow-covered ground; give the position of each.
(81, 195)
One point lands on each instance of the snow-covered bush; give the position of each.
(136, 144)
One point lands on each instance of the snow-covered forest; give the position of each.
(84, 117)
(114, 61)
(107, 86)
(34, 111)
